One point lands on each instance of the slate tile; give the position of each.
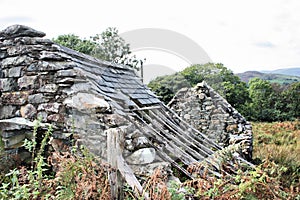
(150, 93)
(115, 85)
(144, 101)
(154, 100)
(106, 89)
(140, 91)
(116, 96)
(125, 91)
(134, 96)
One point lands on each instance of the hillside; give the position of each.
(270, 76)
(289, 71)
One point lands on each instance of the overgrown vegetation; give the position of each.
(77, 174)
(61, 175)
(279, 142)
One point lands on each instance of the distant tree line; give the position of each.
(259, 100)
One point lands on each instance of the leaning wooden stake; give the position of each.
(122, 170)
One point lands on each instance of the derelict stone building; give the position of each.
(103, 106)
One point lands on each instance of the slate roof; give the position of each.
(117, 82)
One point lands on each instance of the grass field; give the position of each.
(279, 142)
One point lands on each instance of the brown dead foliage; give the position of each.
(156, 186)
(85, 177)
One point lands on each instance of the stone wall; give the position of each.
(212, 115)
(83, 98)
(39, 80)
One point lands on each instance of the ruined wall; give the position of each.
(212, 115)
(75, 93)
(38, 80)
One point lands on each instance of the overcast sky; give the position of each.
(241, 34)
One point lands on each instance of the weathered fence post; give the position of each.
(113, 152)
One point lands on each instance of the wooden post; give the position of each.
(121, 172)
(113, 152)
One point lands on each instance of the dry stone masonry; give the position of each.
(101, 105)
(212, 115)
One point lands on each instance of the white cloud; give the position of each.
(227, 30)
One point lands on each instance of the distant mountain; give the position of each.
(288, 71)
(272, 76)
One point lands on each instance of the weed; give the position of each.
(23, 183)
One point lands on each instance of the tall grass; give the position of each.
(279, 142)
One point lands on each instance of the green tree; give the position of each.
(261, 92)
(236, 93)
(278, 102)
(291, 96)
(107, 45)
(216, 75)
(113, 48)
(74, 42)
(166, 86)
(213, 73)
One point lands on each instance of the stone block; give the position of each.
(66, 73)
(7, 84)
(27, 82)
(49, 107)
(142, 156)
(49, 66)
(16, 61)
(49, 88)
(28, 111)
(7, 111)
(140, 142)
(37, 98)
(10, 127)
(15, 98)
(53, 56)
(87, 102)
(187, 117)
(148, 170)
(55, 118)
(20, 31)
(13, 142)
(15, 72)
(43, 115)
(3, 54)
